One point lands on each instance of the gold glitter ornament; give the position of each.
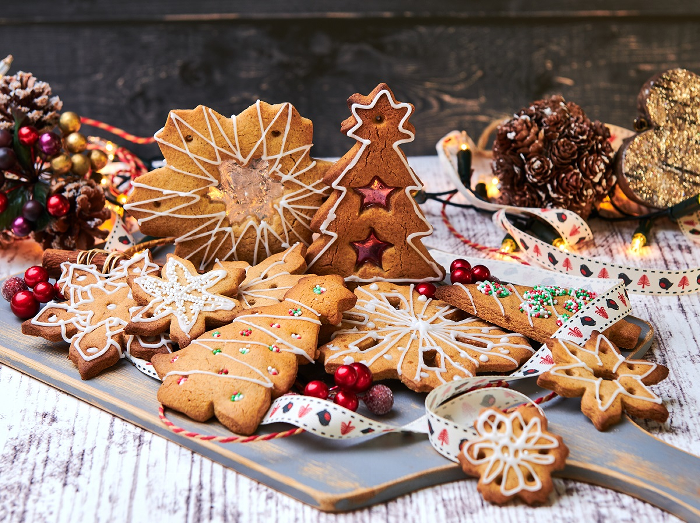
(69, 122)
(81, 164)
(76, 143)
(98, 159)
(61, 164)
(660, 166)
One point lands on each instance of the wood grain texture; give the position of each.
(63, 460)
(461, 66)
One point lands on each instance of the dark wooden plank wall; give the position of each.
(462, 64)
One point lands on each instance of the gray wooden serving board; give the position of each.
(345, 475)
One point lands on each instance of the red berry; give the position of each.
(35, 274)
(12, 286)
(461, 276)
(379, 399)
(460, 263)
(426, 289)
(345, 377)
(346, 399)
(57, 205)
(44, 291)
(364, 377)
(58, 295)
(27, 135)
(480, 273)
(317, 389)
(24, 305)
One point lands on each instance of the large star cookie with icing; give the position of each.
(184, 302)
(398, 333)
(234, 371)
(238, 188)
(606, 381)
(95, 314)
(513, 455)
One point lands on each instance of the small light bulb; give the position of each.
(639, 240)
(559, 243)
(122, 198)
(495, 181)
(508, 245)
(104, 180)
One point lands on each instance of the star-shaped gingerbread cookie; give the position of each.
(184, 302)
(94, 316)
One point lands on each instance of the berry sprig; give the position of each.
(461, 271)
(354, 383)
(24, 302)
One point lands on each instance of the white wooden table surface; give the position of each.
(64, 460)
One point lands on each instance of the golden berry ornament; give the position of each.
(98, 159)
(81, 164)
(61, 164)
(76, 143)
(69, 122)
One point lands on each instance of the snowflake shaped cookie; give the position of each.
(95, 315)
(607, 383)
(183, 301)
(400, 334)
(239, 188)
(513, 455)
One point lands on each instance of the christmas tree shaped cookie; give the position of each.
(370, 226)
(234, 371)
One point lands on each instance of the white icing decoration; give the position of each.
(504, 339)
(422, 298)
(388, 357)
(347, 360)
(370, 325)
(259, 288)
(53, 318)
(511, 455)
(374, 287)
(423, 328)
(292, 206)
(112, 306)
(184, 300)
(417, 186)
(483, 358)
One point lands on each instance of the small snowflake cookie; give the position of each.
(94, 316)
(234, 371)
(399, 333)
(238, 188)
(513, 455)
(183, 302)
(607, 383)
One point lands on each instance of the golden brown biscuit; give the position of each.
(400, 334)
(234, 371)
(607, 382)
(504, 309)
(239, 188)
(514, 455)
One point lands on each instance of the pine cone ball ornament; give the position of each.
(80, 227)
(551, 155)
(23, 94)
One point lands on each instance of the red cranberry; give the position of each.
(317, 389)
(463, 276)
(460, 263)
(480, 273)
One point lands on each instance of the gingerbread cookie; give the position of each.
(371, 226)
(94, 316)
(607, 382)
(537, 312)
(268, 281)
(514, 455)
(239, 188)
(398, 333)
(183, 302)
(234, 371)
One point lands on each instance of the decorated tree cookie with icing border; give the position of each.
(371, 228)
(94, 316)
(233, 372)
(400, 334)
(183, 302)
(513, 455)
(238, 188)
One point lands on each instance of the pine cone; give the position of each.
(550, 154)
(23, 93)
(79, 228)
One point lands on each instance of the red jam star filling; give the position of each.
(375, 193)
(371, 250)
